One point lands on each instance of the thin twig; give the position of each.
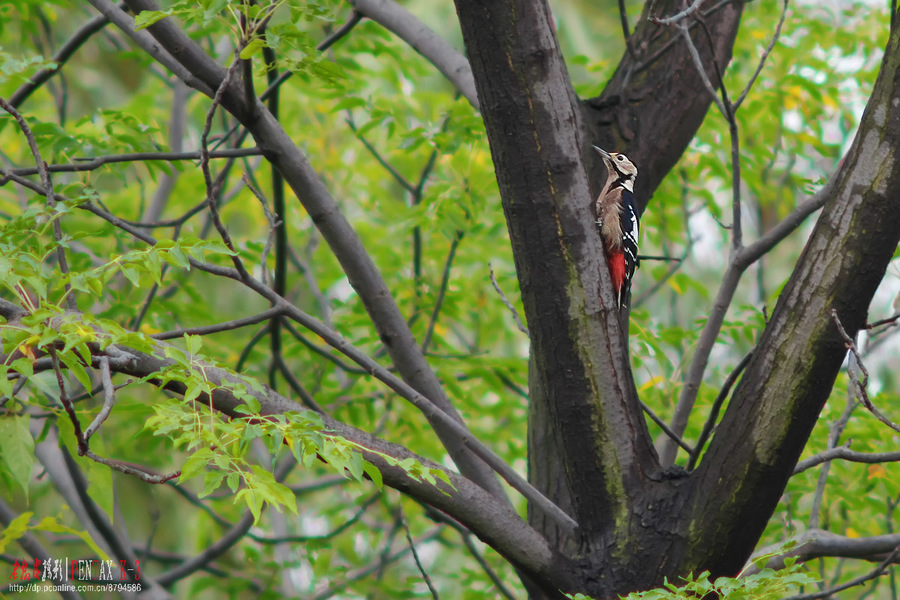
(678, 16)
(662, 424)
(716, 407)
(626, 34)
(91, 164)
(109, 398)
(142, 473)
(875, 573)
(213, 551)
(442, 292)
(889, 321)
(62, 55)
(295, 385)
(384, 559)
(834, 436)
(724, 106)
(661, 258)
(492, 575)
(67, 404)
(762, 60)
(47, 183)
(219, 327)
(509, 305)
(204, 167)
(323, 352)
(344, 526)
(412, 548)
(404, 183)
(861, 383)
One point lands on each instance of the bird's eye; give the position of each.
(620, 158)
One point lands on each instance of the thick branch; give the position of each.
(777, 402)
(426, 42)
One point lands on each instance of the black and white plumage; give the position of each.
(619, 221)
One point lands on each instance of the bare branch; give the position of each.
(845, 453)
(816, 543)
(143, 473)
(218, 327)
(492, 575)
(716, 407)
(874, 574)
(213, 551)
(442, 292)
(762, 60)
(889, 321)
(109, 398)
(678, 16)
(426, 42)
(90, 164)
(750, 254)
(662, 425)
(861, 382)
(834, 436)
(506, 302)
(626, 34)
(204, 167)
(381, 160)
(145, 41)
(412, 548)
(701, 358)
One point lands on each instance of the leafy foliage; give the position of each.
(411, 167)
(764, 585)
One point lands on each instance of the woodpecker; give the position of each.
(618, 221)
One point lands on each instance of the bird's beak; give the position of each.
(603, 152)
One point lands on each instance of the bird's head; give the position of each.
(618, 163)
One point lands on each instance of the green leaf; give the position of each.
(146, 18)
(255, 45)
(15, 529)
(374, 474)
(195, 464)
(17, 449)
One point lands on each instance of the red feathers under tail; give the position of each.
(617, 271)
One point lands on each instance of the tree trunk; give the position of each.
(589, 447)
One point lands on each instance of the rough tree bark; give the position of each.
(591, 451)
(589, 445)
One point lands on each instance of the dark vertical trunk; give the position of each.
(589, 449)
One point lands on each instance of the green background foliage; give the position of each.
(368, 102)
